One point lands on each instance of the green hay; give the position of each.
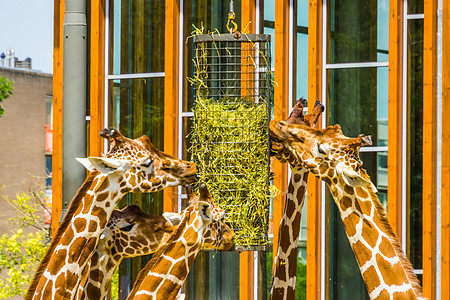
(231, 149)
(229, 146)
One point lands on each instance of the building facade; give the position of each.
(25, 154)
(379, 67)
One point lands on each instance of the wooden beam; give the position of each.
(58, 21)
(314, 199)
(281, 108)
(429, 148)
(171, 79)
(395, 104)
(445, 188)
(97, 76)
(246, 259)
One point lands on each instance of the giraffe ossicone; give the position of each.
(334, 158)
(131, 165)
(130, 232)
(202, 227)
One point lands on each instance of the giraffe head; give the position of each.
(297, 117)
(216, 234)
(143, 167)
(327, 153)
(131, 232)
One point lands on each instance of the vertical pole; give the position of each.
(445, 171)
(246, 259)
(97, 76)
(395, 117)
(314, 202)
(74, 95)
(57, 114)
(429, 148)
(281, 108)
(171, 78)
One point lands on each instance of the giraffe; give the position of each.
(334, 158)
(202, 227)
(131, 165)
(285, 266)
(129, 232)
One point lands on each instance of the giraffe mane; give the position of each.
(407, 266)
(74, 204)
(158, 254)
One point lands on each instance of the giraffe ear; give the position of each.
(104, 165)
(204, 209)
(86, 163)
(351, 177)
(173, 218)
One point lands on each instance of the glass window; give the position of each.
(302, 50)
(359, 102)
(136, 36)
(357, 31)
(137, 108)
(269, 26)
(415, 140)
(415, 6)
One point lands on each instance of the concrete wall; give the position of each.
(22, 136)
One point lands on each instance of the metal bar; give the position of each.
(357, 65)
(374, 149)
(324, 213)
(230, 38)
(404, 126)
(74, 95)
(415, 16)
(136, 76)
(106, 101)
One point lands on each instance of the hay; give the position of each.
(230, 147)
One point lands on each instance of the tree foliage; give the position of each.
(6, 87)
(20, 253)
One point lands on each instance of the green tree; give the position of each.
(20, 253)
(6, 87)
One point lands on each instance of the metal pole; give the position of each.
(74, 99)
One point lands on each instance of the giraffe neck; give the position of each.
(64, 271)
(384, 268)
(285, 269)
(62, 227)
(101, 271)
(106, 258)
(163, 276)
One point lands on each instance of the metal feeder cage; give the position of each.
(230, 137)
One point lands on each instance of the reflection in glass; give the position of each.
(357, 31)
(136, 109)
(415, 142)
(137, 36)
(415, 6)
(345, 278)
(360, 102)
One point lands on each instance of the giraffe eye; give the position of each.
(127, 228)
(320, 150)
(147, 163)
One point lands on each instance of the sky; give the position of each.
(27, 26)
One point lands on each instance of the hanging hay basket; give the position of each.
(230, 140)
